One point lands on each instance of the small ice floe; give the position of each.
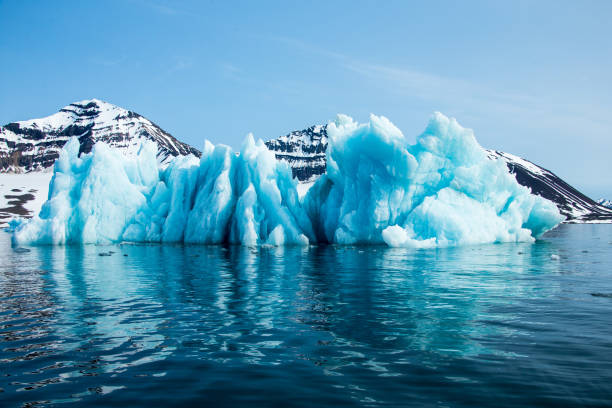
(555, 257)
(606, 295)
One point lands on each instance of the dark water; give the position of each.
(495, 325)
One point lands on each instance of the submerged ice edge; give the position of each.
(378, 189)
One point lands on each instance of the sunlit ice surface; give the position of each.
(443, 190)
(512, 324)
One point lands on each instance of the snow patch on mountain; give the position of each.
(22, 195)
(304, 151)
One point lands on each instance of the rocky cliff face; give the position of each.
(305, 152)
(33, 145)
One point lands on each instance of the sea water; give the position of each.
(501, 325)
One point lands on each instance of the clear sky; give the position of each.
(531, 78)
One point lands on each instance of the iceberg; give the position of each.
(379, 189)
(441, 191)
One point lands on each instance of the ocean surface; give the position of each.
(507, 325)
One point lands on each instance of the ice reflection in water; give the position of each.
(303, 326)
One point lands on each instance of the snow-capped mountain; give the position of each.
(574, 205)
(305, 152)
(29, 148)
(33, 145)
(605, 203)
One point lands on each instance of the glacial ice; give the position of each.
(378, 189)
(441, 191)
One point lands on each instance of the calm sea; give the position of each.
(508, 325)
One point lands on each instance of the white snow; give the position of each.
(512, 158)
(26, 183)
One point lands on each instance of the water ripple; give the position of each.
(495, 325)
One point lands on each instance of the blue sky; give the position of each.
(531, 78)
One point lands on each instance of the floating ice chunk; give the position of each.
(103, 197)
(441, 191)
(378, 189)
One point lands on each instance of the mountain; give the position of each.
(576, 206)
(304, 151)
(33, 145)
(605, 203)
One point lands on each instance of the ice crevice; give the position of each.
(442, 190)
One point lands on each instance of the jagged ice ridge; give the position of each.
(378, 189)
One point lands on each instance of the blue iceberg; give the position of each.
(378, 189)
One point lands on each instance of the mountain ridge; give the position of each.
(32, 146)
